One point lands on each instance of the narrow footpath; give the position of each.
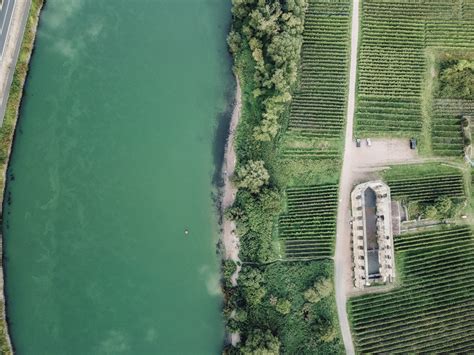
(342, 258)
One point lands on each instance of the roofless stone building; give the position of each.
(372, 235)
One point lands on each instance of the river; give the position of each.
(114, 158)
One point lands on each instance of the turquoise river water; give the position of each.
(115, 153)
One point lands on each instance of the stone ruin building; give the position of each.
(372, 235)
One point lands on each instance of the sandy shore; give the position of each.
(229, 238)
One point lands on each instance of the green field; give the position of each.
(395, 40)
(433, 309)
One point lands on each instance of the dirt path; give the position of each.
(342, 258)
(229, 238)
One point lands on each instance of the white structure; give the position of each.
(372, 236)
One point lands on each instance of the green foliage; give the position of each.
(442, 208)
(283, 306)
(261, 343)
(228, 269)
(456, 79)
(415, 210)
(251, 283)
(430, 212)
(265, 41)
(234, 40)
(301, 327)
(252, 176)
(311, 295)
(322, 288)
(255, 226)
(273, 33)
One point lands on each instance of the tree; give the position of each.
(444, 206)
(228, 269)
(457, 79)
(320, 289)
(259, 342)
(324, 287)
(250, 281)
(328, 332)
(311, 295)
(267, 130)
(234, 40)
(283, 306)
(431, 212)
(252, 176)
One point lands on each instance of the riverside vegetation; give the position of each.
(7, 129)
(287, 171)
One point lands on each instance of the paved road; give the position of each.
(14, 14)
(342, 258)
(5, 20)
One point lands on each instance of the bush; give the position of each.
(252, 176)
(261, 343)
(228, 269)
(456, 79)
(283, 306)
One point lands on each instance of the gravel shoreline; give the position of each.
(229, 239)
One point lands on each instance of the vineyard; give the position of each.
(427, 188)
(309, 153)
(447, 138)
(392, 63)
(433, 310)
(300, 147)
(309, 227)
(318, 106)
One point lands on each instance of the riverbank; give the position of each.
(284, 301)
(7, 133)
(229, 238)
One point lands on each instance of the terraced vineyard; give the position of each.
(392, 60)
(433, 310)
(427, 188)
(318, 107)
(309, 227)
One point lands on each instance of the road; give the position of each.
(5, 20)
(13, 17)
(342, 258)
